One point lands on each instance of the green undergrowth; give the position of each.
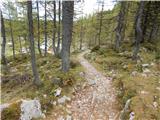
(130, 80)
(17, 81)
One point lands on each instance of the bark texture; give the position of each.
(54, 27)
(138, 30)
(31, 40)
(120, 26)
(59, 30)
(3, 46)
(12, 39)
(67, 26)
(38, 27)
(45, 29)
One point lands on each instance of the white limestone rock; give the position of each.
(31, 109)
(63, 99)
(58, 92)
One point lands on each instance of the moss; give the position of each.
(12, 112)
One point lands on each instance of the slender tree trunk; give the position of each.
(12, 39)
(25, 39)
(120, 26)
(100, 25)
(138, 30)
(39, 49)
(154, 27)
(54, 27)
(3, 46)
(81, 34)
(59, 30)
(145, 23)
(20, 44)
(36, 81)
(67, 27)
(45, 28)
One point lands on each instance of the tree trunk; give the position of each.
(100, 25)
(81, 35)
(39, 49)
(145, 23)
(120, 26)
(59, 30)
(154, 27)
(20, 45)
(25, 39)
(54, 27)
(67, 27)
(45, 28)
(31, 39)
(138, 30)
(3, 46)
(12, 39)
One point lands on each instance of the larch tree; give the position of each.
(100, 24)
(11, 33)
(37, 80)
(3, 46)
(59, 29)
(138, 30)
(120, 26)
(54, 27)
(67, 27)
(45, 28)
(38, 27)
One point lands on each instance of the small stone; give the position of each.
(69, 117)
(146, 71)
(45, 96)
(155, 104)
(158, 88)
(144, 75)
(132, 116)
(134, 73)
(54, 103)
(144, 92)
(145, 65)
(82, 74)
(125, 66)
(152, 64)
(63, 99)
(58, 92)
(68, 111)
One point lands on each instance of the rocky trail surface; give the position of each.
(97, 101)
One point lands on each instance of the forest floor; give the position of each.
(97, 100)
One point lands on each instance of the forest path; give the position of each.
(98, 100)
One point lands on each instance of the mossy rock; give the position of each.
(12, 112)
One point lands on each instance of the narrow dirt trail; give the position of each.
(97, 101)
